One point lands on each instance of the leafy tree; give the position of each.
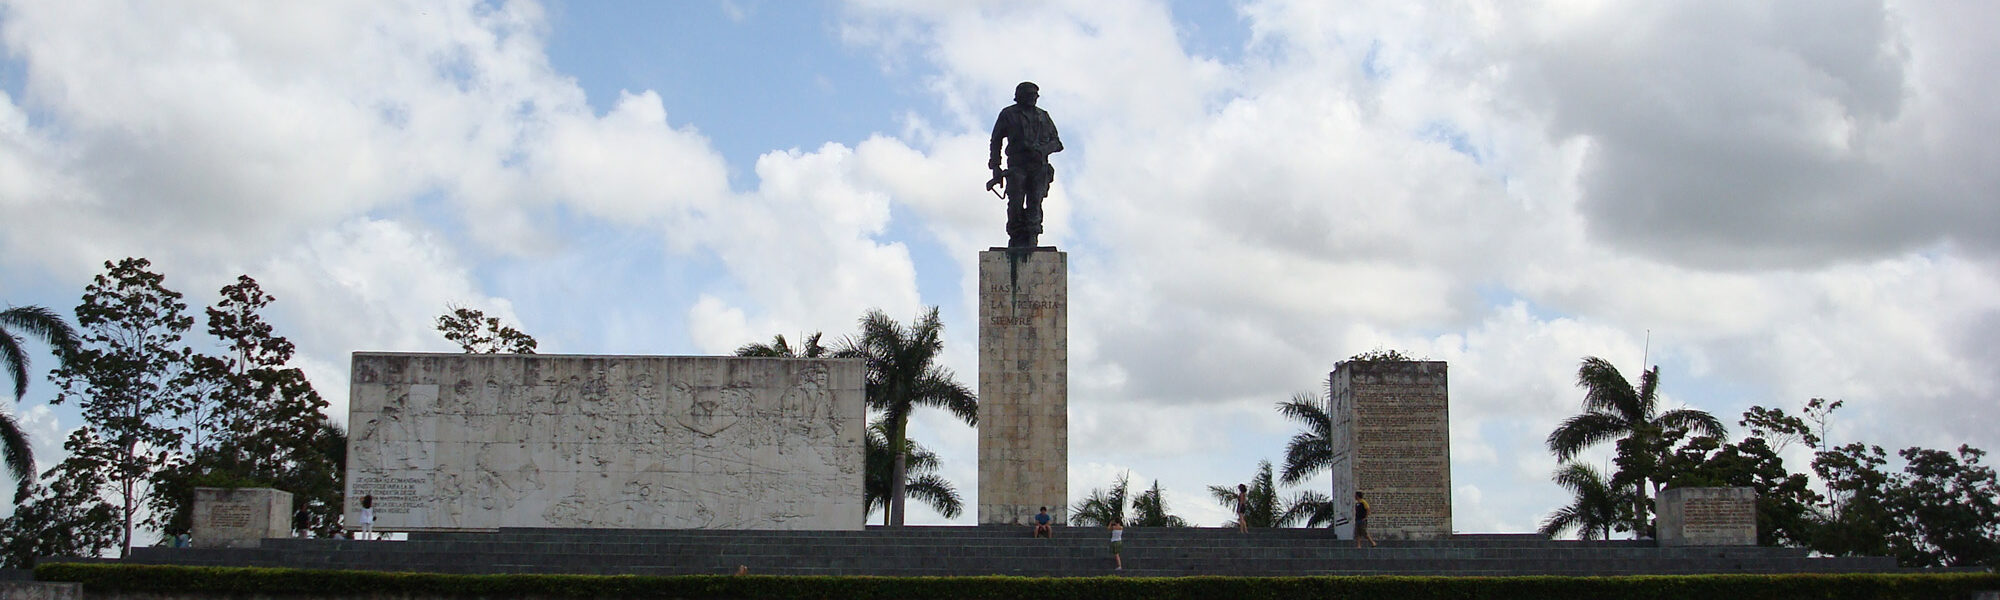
(65, 518)
(45, 325)
(1103, 506)
(127, 379)
(1858, 520)
(902, 375)
(1947, 510)
(925, 484)
(1266, 508)
(1310, 451)
(1594, 508)
(1149, 509)
(778, 348)
(477, 333)
(1615, 410)
(264, 425)
(1940, 511)
(1786, 502)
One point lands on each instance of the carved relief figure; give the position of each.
(450, 497)
(570, 510)
(395, 436)
(506, 473)
(809, 404)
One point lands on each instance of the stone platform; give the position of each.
(995, 550)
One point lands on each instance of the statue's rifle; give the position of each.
(999, 179)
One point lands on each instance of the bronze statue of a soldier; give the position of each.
(1030, 138)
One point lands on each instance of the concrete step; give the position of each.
(997, 550)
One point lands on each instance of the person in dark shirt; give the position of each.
(1029, 137)
(301, 522)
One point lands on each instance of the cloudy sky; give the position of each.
(1772, 201)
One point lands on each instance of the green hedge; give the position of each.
(223, 581)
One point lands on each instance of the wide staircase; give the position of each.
(990, 550)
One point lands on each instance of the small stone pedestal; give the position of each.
(1023, 385)
(239, 517)
(1707, 516)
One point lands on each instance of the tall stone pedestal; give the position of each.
(1023, 385)
(1392, 441)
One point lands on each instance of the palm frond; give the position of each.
(20, 455)
(1149, 509)
(776, 349)
(1311, 508)
(1605, 389)
(931, 489)
(1695, 421)
(1649, 388)
(1306, 409)
(1583, 431)
(15, 359)
(43, 324)
(1103, 506)
(1594, 504)
(940, 389)
(1309, 451)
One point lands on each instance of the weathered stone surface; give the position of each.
(1707, 516)
(38, 590)
(1023, 385)
(477, 442)
(1392, 441)
(239, 517)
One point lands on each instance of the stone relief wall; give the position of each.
(474, 442)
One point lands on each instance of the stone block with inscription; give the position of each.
(483, 441)
(239, 517)
(1707, 516)
(1023, 385)
(1392, 441)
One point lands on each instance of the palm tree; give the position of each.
(1104, 506)
(1311, 450)
(778, 348)
(901, 377)
(1149, 509)
(43, 324)
(925, 484)
(1266, 509)
(1594, 508)
(1312, 508)
(1615, 410)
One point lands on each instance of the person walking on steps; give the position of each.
(1117, 545)
(1361, 521)
(1242, 508)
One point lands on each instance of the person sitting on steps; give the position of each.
(1042, 528)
